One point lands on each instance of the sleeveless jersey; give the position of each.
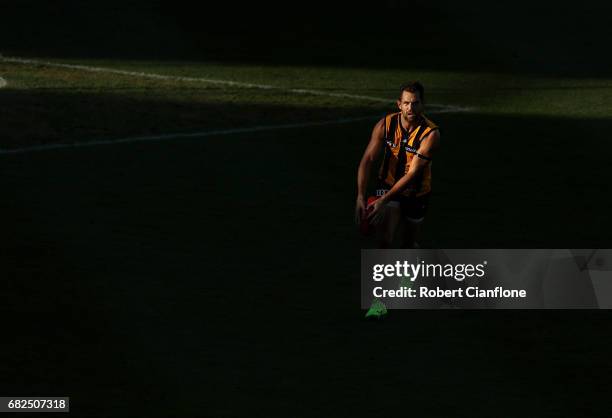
(400, 149)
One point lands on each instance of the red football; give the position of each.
(366, 228)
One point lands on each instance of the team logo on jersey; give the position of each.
(391, 144)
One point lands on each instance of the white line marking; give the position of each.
(2, 82)
(433, 108)
(166, 137)
(443, 108)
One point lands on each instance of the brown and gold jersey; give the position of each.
(400, 148)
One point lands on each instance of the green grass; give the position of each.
(73, 105)
(167, 278)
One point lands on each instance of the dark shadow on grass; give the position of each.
(43, 116)
(201, 277)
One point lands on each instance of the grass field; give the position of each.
(86, 105)
(522, 154)
(218, 276)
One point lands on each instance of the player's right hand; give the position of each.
(375, 210)
(360, 208)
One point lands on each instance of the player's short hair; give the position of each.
(413, 87)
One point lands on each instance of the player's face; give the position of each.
(410, 105)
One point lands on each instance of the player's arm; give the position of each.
(422, 158)
(363, 172)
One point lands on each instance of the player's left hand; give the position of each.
(376, 211)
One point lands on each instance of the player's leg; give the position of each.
(413, 214)
(387, 229)
(410, 231)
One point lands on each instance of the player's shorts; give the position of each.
(412, 208)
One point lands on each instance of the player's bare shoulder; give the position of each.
(431, 142)
(378, 130)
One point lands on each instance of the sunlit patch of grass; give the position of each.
(45, 104)
(491, 93)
